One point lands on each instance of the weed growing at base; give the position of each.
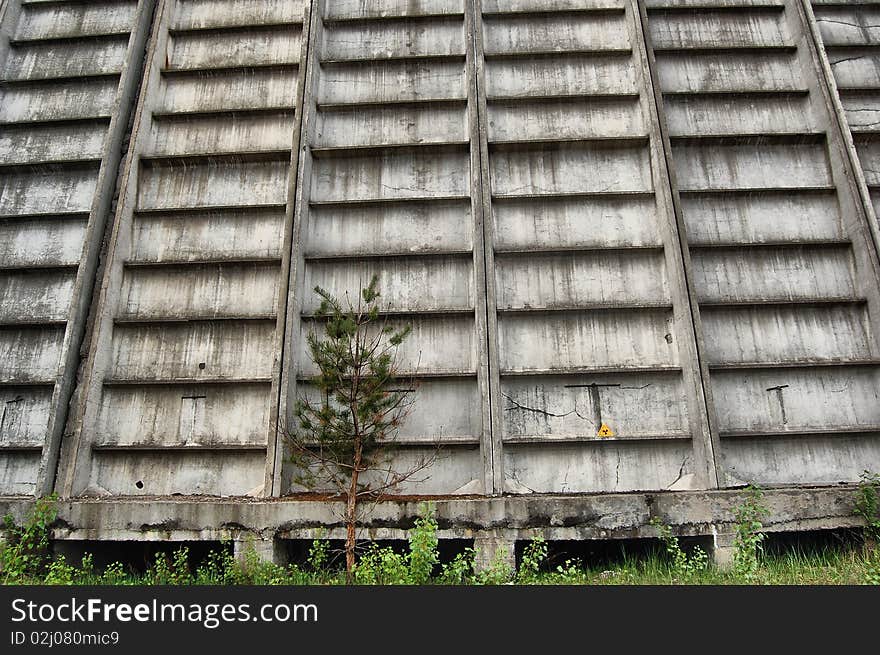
(868, 508)
(748, 544)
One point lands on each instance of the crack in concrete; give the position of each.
(533, 409)
(848, 24)
(846, 59)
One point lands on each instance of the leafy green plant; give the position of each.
(219, 568)
(682, 565)
(254, 570)
(381, 566)
(460, 570)
(25, 552)
(60, 572)
(534, 557)
(114, 574)
(868, 508)
(748, 541)
(868, 505)
(872, 568)
(319, 554)
(498, 572)
(170, 570)
(423, 543)
(569, 572)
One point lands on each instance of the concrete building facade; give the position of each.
(636, 240)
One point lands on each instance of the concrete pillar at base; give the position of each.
(493, 548)
(722, 548)
(266, 550)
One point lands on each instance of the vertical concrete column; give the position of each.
(299, 205)
(291, 248)
(706, 444)
(9, 11)
(722, 548)
(484, 256)
(266, 549)
(494, 548)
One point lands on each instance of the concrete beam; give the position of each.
(555, 517)
(492, 448)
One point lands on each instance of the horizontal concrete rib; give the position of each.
(561, 11)
(759, 302)
(12, 83)
(359, 150)
(414, 59)
(157, 380)
(552, 439)
(764, 190)
(590, 370)
(836, 430)
(734, 8)
(169, 116)
(603, 142)
(408, 102)
(738, 91)
(215, 157)
(537, 97)
(205, 71)
(243, 29)
(549, 54)
(388, 18)
(146, 320)
(148, 447)
(409, 200)
(822, 244)
(369, 256)
(407, 374)
(202, 209)
(811, 363)
(63, 40)
(623, 195)
(588, 516)
(50, 165)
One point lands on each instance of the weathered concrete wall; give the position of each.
(389, 185)
(784, 266)
(651, 215)
(178, 387)
(69, 71)
(591, 318)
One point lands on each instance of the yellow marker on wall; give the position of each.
(605, 431)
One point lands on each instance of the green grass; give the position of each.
(831, 567)
(826, 568)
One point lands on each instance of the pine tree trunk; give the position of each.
(351, 518)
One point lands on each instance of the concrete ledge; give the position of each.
(555, 517)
